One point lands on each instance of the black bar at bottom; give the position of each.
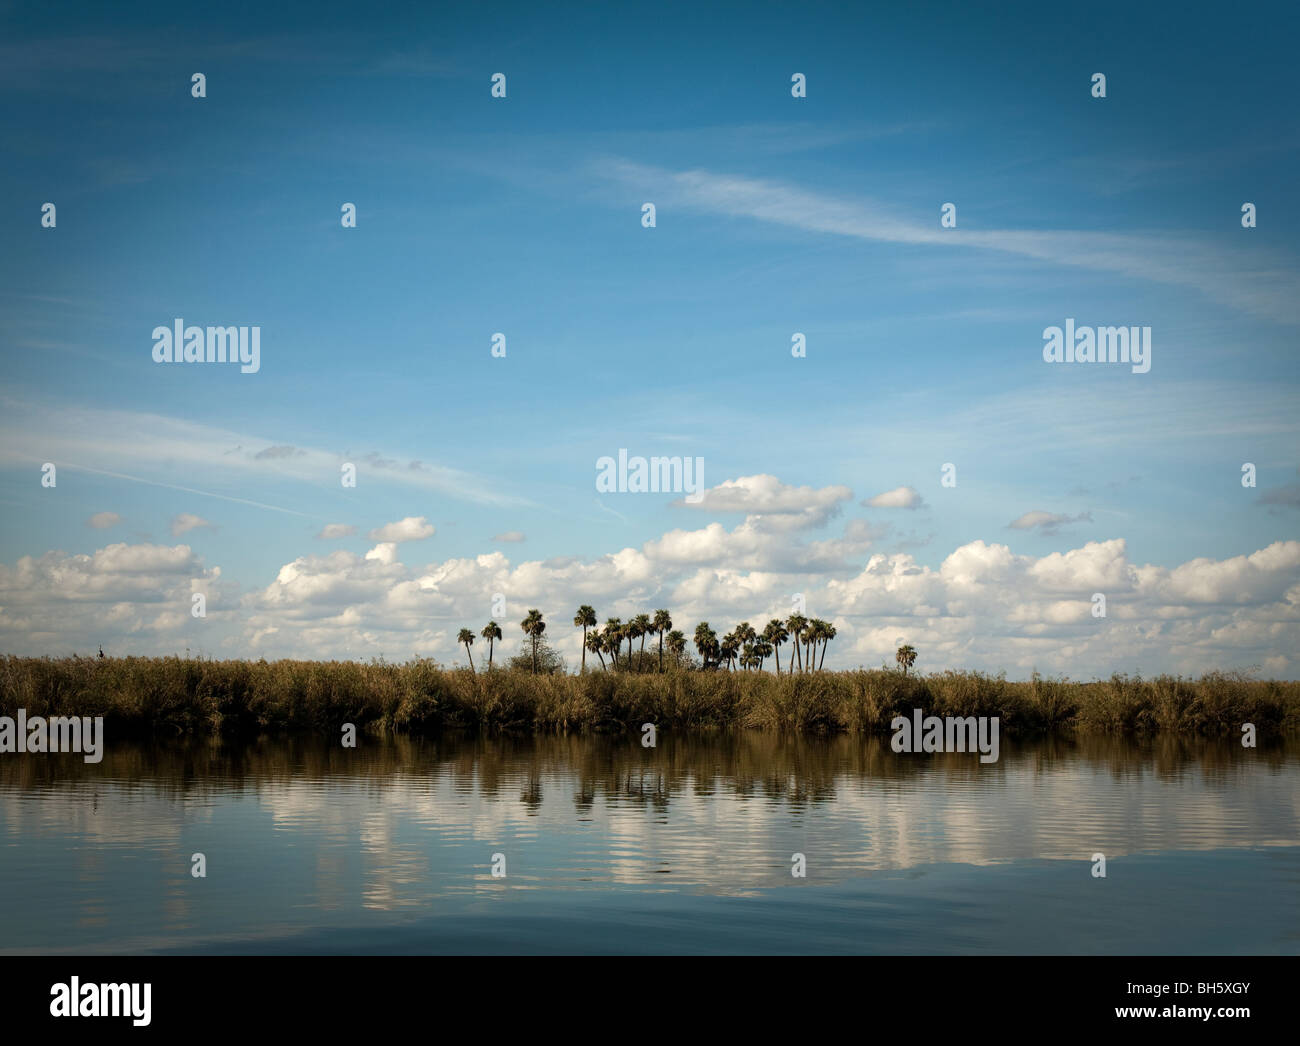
(679, 996)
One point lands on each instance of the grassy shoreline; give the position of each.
(182, 695)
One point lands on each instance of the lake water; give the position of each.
(609, 847)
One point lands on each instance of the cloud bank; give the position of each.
(984, 606)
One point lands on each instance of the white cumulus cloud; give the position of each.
(412, 528)
(899, 497)
(187, 521)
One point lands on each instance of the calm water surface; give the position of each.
(610, 847)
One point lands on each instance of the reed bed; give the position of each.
(172, 695)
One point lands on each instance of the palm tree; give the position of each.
(776, 634)
(676, 644)
(467, 637)
(763, 650)
(585, 618)
(595, 642)
(906, 657)
(643, 627)
(629, 633)
(729, 645)
(812, 635)
(706, 641)
(533, 627)
(745, 635)
(828, 633)
(796, 623)
(613, 638)
(662, 623)
(491, 632)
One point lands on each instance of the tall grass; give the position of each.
(182, 695)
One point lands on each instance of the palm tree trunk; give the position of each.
(584, 648)
(602, 659)
(470, 656)
(777, 650)
(534, 655)
(489, 653)
(825, 644)
(661, 651)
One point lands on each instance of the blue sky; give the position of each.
(774, 215)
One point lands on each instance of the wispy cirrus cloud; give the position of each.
(1286, 496)
(281, 451)
(128, 443)
(1264, 283)
(1049, 523)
